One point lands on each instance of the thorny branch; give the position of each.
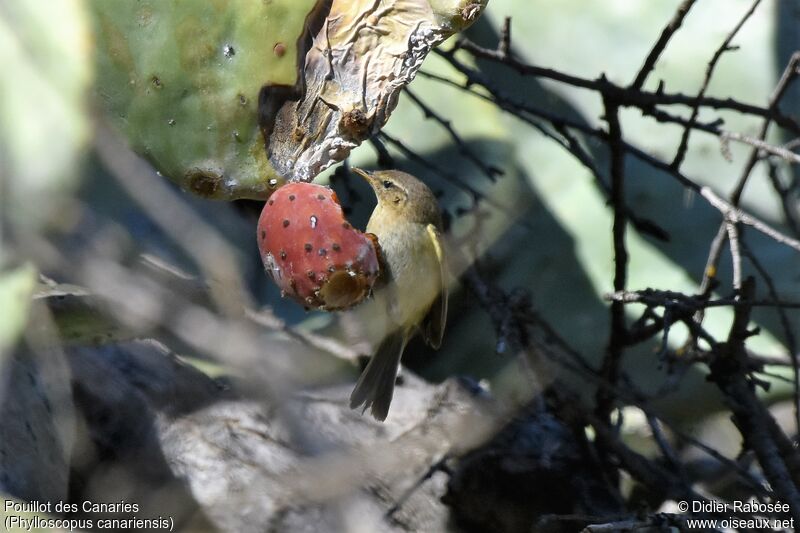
(491, 171)
(758, 144)
(724, 47)
(651, 59)
(619, 330)
(626, 97)
(789, 336)
(774, 450)
(732, 365)
(530, 114)
(520, 328)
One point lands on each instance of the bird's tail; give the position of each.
(375, 387)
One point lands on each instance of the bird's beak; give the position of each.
(366, 175)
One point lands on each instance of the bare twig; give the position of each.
(761, 145)
(490, 171)
(522, 112)
(729, 210)
(788, 331)
(774, 450)
(788, 75)
(787, 204)
(736, 257)
(643, 225)
(504, 44)
(619, 330)
(627, 97)
(658, 298)
(475, 194)
(666, 34)
(724, 47)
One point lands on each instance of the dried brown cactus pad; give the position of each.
(363, 54)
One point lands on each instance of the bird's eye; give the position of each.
(388, 184)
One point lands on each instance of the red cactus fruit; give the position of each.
(310, 250)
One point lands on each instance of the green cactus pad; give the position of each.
(181, 80)
(230, 98)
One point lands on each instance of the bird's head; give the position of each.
(402, 195)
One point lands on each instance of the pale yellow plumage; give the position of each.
(412, 288)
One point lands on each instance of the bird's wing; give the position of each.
(433, 325)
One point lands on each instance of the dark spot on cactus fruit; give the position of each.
(242, 100)
(323, 252)
(263, 234)
(285, 223)
(346, 225)
(203, 182)
(336, 247)
(293, 285)
(279, 49)
(292, 197)
(228, 51)
(331, 269)
(308, 247)
(156, 82)
(311, 275)
(320, 197)
(355, 123)
(283, 255)
(271, 202)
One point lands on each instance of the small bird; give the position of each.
(412, 287)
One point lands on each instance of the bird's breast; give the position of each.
(413, 272)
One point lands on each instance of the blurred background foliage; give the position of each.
(548, 228)
(44, 130)
(542, 226)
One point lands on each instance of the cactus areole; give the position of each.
(230, 99)
(311, 252)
